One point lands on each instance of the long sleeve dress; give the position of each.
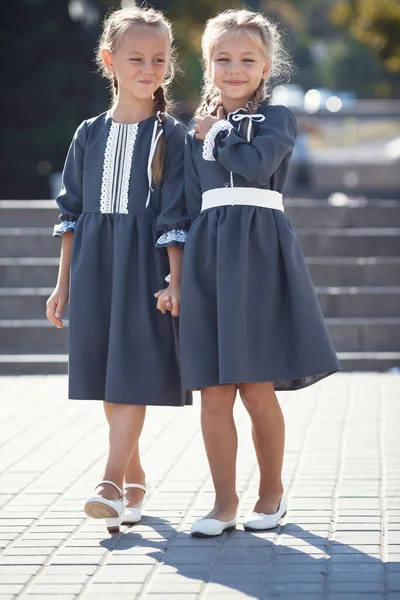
(249, 312)
(121, 348)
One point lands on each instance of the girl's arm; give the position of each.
(59, 298)
(173, 221)
(258, 159)
(70, 202)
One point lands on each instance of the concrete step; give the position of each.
(302, 213)
(359, 301)
(352, 334)
(33, 364)
(354, 271)
(15, 272)
(38, 336)
(32, 336)
(28, 241)
(24, 302)
(28, 213)
(38, 241)
(350, 242)
(370, 361)
(317, 213)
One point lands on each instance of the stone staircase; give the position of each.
(353, 253)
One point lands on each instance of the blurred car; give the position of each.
(290, 95)
(323, 98)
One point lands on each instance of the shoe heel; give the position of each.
(113, 524)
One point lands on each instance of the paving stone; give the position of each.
(356, 586)
(296, 588)
(296, 561)
(354, 596)
(55, 589)
(10, 588)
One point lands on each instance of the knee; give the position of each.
(255, 398)
(216, 400)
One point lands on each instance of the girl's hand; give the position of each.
(56, 303)
(204, 124)
(169, 299)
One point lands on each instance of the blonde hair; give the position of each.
(263, 32)
(114, 27)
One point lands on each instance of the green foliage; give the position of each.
(374, 23)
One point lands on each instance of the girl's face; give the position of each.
(140, 61)
(237, 66)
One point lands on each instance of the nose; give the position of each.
(234, 67)
(147, 67)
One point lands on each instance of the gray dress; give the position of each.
(249, 312)
(121, 348)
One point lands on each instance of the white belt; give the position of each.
(231, 196)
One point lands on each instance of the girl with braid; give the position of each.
(250, 320)
(123, 227)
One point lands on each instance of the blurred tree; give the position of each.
(374, 23)
(350, 66)
(49, 87)
(327, 56)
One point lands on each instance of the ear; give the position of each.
(107, 60)
(267, 69)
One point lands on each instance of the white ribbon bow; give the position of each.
(153, 145)
(256, 117)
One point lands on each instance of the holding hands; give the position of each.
(169, 299)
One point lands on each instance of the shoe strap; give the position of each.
(113, 484)
(135, 485)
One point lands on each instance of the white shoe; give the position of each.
(97, 507)
(133, 514)
(261, 521)
(211, 527)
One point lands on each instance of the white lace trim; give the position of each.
(209, 141)
(117, 167)
(108, 169)
(175, 235)
(127, 167)
(63, 227)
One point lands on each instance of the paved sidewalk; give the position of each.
(340, 540)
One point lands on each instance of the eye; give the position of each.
(222, 60)
(249, 60)
(160, 61)
(135, 59)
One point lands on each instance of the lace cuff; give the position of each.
(209, 141)
(175, 235)
(63, 227)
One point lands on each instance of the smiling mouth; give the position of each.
(235, 82)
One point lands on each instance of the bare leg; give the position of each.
(269, 441)
(126, 425)
(134, 472)
(220, 439)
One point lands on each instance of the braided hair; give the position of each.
(160, 104)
